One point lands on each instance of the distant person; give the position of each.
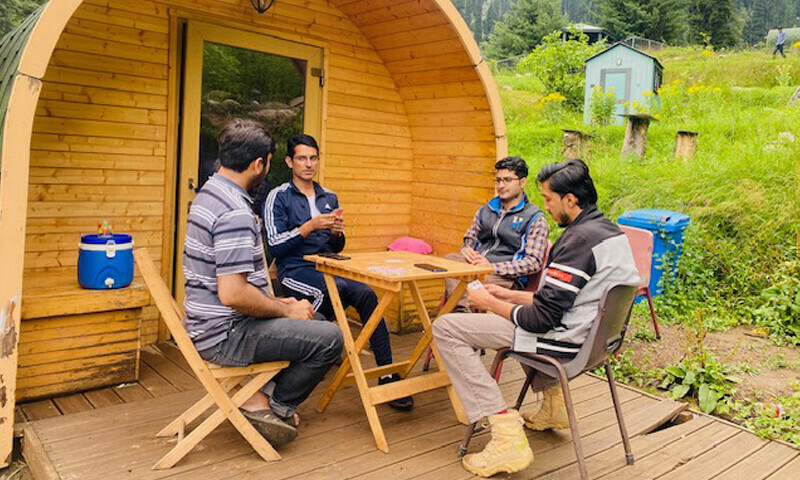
(779, 42)
(509, 233)
(230, 314)
(302, 218)
(591, 255)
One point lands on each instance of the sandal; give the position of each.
(273, 428)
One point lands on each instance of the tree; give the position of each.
(720, 20)
(660, 20)
(481, 15)
(560, 64)
(12, 12)
(763, 16)
(523, 27)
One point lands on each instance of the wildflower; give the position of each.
(796, 45)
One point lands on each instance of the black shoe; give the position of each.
(273, 428)
(404, 403)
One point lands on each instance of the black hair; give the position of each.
(571, 176)
(242, 141)
(515, 164)
(300, 139)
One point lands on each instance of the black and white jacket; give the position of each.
(590, 255)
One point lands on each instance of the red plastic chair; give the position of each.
(642, 245)
(535, 280)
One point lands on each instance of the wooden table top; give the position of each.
(374, 265)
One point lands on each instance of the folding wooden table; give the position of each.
(386, 273)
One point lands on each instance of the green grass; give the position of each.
(741, 190)
(741, 259)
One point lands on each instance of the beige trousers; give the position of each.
(450, 283)
(459, 338)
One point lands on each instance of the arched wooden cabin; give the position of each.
(102, 113)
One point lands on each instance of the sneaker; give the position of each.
(273, 428)
(404, 403)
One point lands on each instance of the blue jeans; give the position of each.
(310, 347)
(778, 48)
(307, 283)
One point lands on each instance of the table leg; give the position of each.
(361, 341)
(427, 336)
(355, 364)
(427, 340)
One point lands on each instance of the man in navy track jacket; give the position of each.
(302, 218)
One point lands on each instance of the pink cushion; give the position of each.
(410, 244)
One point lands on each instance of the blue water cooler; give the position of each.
(105, 261)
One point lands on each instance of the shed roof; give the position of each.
(584, 27)
(11, 48)
(621, 44)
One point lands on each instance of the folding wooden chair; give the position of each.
(216, 379)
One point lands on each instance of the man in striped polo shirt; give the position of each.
(230, 314)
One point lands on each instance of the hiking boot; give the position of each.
(404, 403)
(552, 415)
(273, 428)
(508, 450)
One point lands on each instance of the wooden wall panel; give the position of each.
(454, 137)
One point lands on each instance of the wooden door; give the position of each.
(230, 74)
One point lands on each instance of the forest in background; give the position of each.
(513, 27)
(506, 28)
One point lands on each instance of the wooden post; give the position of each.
(13, 187)
(636, 133)
(575, 144)
(685, 144)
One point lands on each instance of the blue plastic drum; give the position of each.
(105, 261)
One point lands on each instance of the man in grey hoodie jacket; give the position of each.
(591, 255)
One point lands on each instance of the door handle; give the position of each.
(192, 185)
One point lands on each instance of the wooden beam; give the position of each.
(13, 188)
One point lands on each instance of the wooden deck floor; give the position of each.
(109, 434)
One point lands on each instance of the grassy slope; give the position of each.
(741, 189)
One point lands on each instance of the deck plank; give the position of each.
(72, 404)
(761, 464)
(172, 373)
(602, 463)
(40, 410)
(132, 392)
(104, 397)
(675, 454)
(713, 462)
(154, 383)
(787, 471)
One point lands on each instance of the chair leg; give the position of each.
(525, 386)
(196, 410)
(612, 385)
(427, 365)
(653, 313)
(573, 424)
(462, 450)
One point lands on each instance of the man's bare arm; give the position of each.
(235, 292)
